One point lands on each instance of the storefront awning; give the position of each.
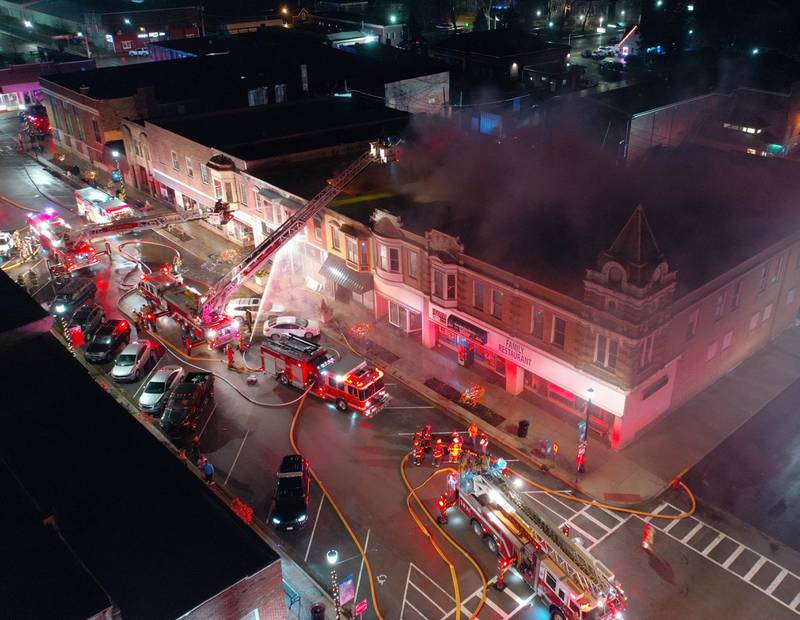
(337, 270)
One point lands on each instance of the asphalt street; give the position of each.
(712, 565)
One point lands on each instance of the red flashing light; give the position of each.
(441, 503)
(565, 530)
(123, 324)
(143, 277)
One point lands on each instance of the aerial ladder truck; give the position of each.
(205, 311)
(565, 576)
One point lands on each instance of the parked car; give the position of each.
(88, 317)
(612, 68)
(610, 50)
(72, 296)
(110, 337)
(157, 391)
(131, 363)
(292, 490)
(277, 326)
(187, 402)
(598, 54)
(240, 305)
(139, 51)
(586, 53)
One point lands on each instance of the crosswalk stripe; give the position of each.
(732, 557)
(754, 568)
(719, 538)
(777, 581)
(694, 531)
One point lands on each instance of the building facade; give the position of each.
(640, 351)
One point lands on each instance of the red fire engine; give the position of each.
(348, 381)
(574, 584)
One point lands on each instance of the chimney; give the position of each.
(84, 89)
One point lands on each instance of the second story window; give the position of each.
(389, 259)
(647, 351)
(413, 264)
(762, 278)
(175, 163)
(605, 352)
(444, 285)
(96, 131)
(736, 298)
(189, 167)
(537, 323)
(204, 174)
(218, 189)
(478, 294)
(691, 325)
(317, 221)
(559, 334)
(352, 250)
(719, 306)
(497, 303)
(335, 242)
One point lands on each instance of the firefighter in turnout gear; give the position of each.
(456, 448)
(427, 436)
(483, 443)
(438, 452)
(418, 452)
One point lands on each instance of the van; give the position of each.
(73, 295)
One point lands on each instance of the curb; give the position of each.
(507, 441)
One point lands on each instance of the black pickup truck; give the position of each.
(187, 402)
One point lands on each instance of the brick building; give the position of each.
(658, 315)
(106, 529)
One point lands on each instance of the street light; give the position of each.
(115, 154)
(538, 12)
(393, 19)
(333, 556)
(583, 439)
(284, 10)
(127, 21)
(754, 51)
(27, 23)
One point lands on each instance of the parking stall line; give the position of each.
(236, 458)
(795, 602)
(361, 567)
(421, 615)
(430, 600)
(314, 529)
(777, 581)
(408, 576)
(424, 574)
(210, 415)
(719, 538)
(146, 379)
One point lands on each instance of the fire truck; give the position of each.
(346, 380)
(69, 250)
(206, 310)
(574, 584)
(99, 207)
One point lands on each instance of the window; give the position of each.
(389, 259)
(189, 167)
(736, 298)
(551, 581)
(444, 285)
(605, 352)
(334, 232)
(352, 250)
(767, 313)
(647, 351)
(726, 341)
(175, 163)
(691, 327)
(364, 253)
(537, 323)
(778, 268)
(497, 303)
(711, 351)
(229, 193)
(719, 306)
(218, 189)
(754, 320)
(317, 222)
(790, 295)
(478, 293)
(280, 93)
(559, 335)
(137, 148)
(413, 264)
(762, 279)
(79, 124)
(654, 387)
(269, 211)
(205, 175)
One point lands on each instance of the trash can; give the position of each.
(318, 611)
(522, 428)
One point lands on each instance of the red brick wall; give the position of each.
(262, 591)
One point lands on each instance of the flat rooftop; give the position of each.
(149, 532)
(260, 133)
(649, 95)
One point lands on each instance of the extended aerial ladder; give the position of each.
(214, 300)
(525, 538)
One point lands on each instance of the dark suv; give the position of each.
(88, 317)
(292, 489)
(110, 338)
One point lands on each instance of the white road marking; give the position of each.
(432, 602)
(236, 458)
(314, 529)
(736, 553)
(422, 615)
(210, 415)
(671, 524)
(405, 591)
(146, 379)
(361, 568)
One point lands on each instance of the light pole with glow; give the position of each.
(583, 435)
(333, 557)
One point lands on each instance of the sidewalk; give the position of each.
(639, 472)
